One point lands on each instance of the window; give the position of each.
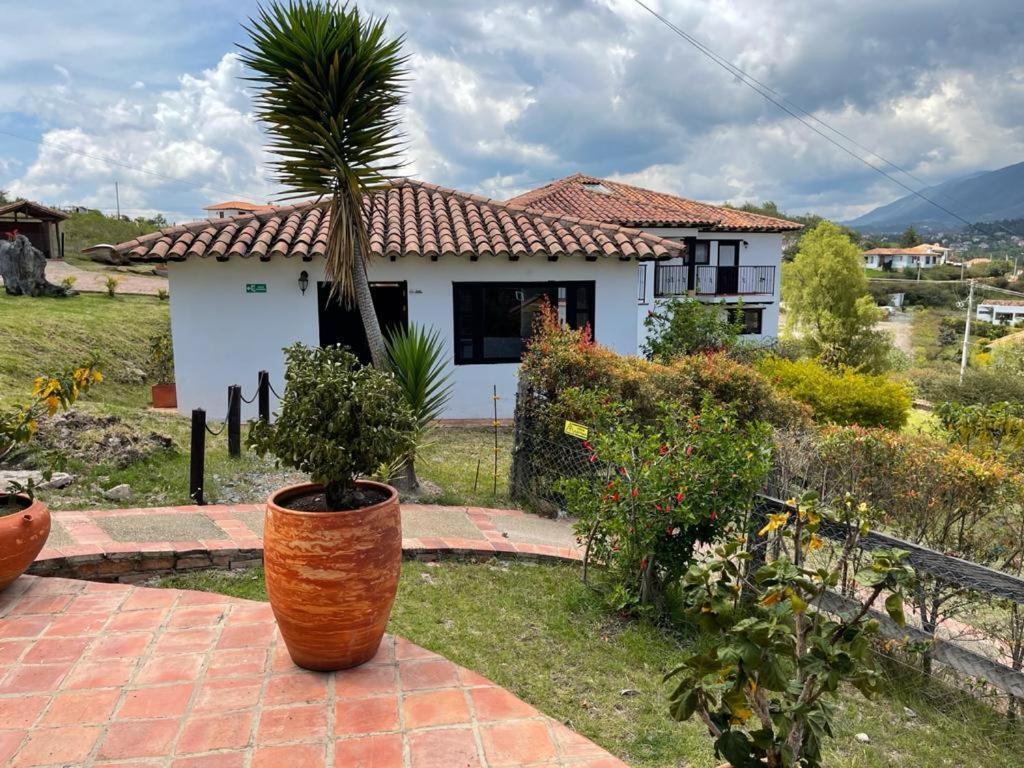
(701, 252)
(728, 253)
(749, 319)
(493, 320)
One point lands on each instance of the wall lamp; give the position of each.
(303, 281)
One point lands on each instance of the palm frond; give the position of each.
(417, 360)
(331, 84)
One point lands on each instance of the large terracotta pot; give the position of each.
(332, 576)
(165, 396)
(22, 536)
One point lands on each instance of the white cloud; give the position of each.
(201, 133)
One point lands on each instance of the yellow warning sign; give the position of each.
(576, 430)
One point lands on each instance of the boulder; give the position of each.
(23, 269)
(121, 492)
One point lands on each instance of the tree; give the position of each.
(828, 304)
(909, 238)
(331, 87)
(686, 328)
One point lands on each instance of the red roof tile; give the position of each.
(409, 218)
(618, 203)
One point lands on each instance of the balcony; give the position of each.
(676, 280)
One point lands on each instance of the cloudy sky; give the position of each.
(508, 95)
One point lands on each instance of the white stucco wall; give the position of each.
(223, 335)
(761, 249)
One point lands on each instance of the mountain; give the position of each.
(984, 196)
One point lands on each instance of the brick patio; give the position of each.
(95, 674)
(133, 544)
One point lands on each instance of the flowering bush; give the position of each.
(686, 327)
(50, 393)
(657, 491)
(846, 397)
(763, 688)
(585, 382)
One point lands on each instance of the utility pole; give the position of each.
(117, 200)
(967, 333)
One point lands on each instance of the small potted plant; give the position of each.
(161, 371)
(24, 519)
(784, 641)
(332, 548)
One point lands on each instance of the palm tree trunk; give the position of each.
(364, 299)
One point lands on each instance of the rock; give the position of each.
(23, 268)
(121, 492)
(20, 476)
(911, 714)
(863, 738)
(58, 480)
(426, 577)
(629, 692)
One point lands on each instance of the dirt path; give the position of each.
(96, 281)
(899, 326)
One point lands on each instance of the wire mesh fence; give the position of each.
(961, 652)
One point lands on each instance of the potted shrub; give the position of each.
(332, 548)
(784, 641)
(24, 519)
(161, 371)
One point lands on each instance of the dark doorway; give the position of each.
(339, 325)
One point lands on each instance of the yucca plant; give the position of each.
(330, 87)
(417, 360)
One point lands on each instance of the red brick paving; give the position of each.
(94, 554)
(98, 674)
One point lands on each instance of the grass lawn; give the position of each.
(537, 631)
(46, 334)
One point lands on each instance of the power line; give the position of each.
(769, 94)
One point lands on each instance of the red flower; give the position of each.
(634, 493)
(689, 450)
(663, 450)
(593, 458)
(615, 496)
(714, 515)
(679, 496)
(611, 485)
(587, 445)
(658, 507)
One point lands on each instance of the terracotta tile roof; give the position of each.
(618, 203)
(409, 218)
(1003, 302)
(235, 205)
(917, 250)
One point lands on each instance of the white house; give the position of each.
(731, 256)
(231, 208)
(1001, 311)
(477, 270)
(924, 256)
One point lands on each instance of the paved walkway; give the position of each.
(96, 674)
(129, 544)
(95, 281)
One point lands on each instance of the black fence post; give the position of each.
(234, 421)
(263, 389)
(197, 456)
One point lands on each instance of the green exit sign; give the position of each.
(255, 287)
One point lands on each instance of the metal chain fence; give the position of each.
(968, 664)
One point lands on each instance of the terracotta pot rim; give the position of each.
(34, 506)
(300, 489)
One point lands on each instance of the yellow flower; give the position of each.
(33, 427)
(772, 598)
(38, 385)
(814, 542)
(97, 377)
(52, 404)
(862, 507)
(775, 522)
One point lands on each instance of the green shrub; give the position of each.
(160, 364)
(846, 397)
(686, 327)
(981, 385)
(660, 490)
(585, 382)
(112, 283)
(337, 421)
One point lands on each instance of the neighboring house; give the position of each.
(475, 269)
(41, 225)
(233, 208)
(1001, 311)
(925, 256)
(731, 256)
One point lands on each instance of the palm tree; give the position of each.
(331, 85)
